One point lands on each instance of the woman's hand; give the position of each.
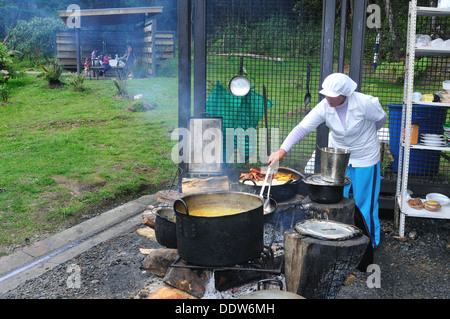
(276, 157)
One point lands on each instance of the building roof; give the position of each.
(112, 16)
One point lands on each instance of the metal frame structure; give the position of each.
(401, 206)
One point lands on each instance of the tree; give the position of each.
(36, 37)
(6, 64)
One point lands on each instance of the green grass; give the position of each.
(66, 155)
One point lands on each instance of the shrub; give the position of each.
(53, 73)
(77, 82)
(6, 64)
(5, 92)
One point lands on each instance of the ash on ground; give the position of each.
(415, 269)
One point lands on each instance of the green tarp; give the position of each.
(237, 112)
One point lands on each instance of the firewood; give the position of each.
(149, 222)
(209, 184)
(168, 196)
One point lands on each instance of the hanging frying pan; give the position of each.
(239, 85)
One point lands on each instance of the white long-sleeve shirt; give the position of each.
(358, 134)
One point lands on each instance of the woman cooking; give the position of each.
(353, 119)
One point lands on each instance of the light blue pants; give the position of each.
(365, 186)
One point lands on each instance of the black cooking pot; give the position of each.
(323, 192)
(219, 240)
(165, 228)
(279, 193)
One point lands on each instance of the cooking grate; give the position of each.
(264, 264)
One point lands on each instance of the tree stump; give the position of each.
(315, 268)
(343, 211)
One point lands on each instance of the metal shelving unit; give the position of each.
(402, 206)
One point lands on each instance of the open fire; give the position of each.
(234, 281)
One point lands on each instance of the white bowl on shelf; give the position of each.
(446, 84)
(440, 198)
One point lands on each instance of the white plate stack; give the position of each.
(447, 132)
(433, 139)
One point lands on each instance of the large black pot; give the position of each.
(279, 193)
(323, 192)
(223, 240)
(165, 228)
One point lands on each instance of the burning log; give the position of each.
(170, 293)
(186, 280)
(150, 222)
(147, 232)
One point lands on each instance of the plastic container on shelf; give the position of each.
(444, 4)
(430, 120)
(446, 86)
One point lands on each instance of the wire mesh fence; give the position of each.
(276, 44)
(272, 43)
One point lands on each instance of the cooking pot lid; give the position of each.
(317, 179)
(327, 229)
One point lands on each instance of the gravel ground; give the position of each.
(416, 269)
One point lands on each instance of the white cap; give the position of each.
(338, 83)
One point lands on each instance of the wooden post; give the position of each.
(315, 268)
(78, 44)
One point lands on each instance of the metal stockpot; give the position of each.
(220, 240)
(324, 192)
(333, 164)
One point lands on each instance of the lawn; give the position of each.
(67, 155)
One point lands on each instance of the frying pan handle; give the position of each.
(175, 204)
(254, 184)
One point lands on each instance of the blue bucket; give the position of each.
(430, 120)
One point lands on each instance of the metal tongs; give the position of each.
(267, 201)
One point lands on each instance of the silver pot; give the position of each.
(333, 164)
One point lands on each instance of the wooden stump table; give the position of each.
(343, 211)
(316, 268)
